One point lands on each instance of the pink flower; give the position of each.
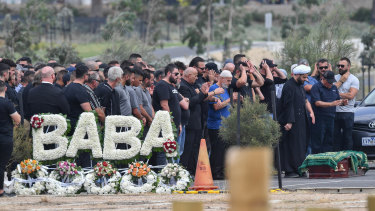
(61, 173)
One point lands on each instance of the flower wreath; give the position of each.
(29, 178)
(133, 180)
(173, 178)
(66, 179)
(103, 180)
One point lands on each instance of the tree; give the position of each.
(257, 127)
(373, 13)
(65, 20)
(326, 40)
(65, 54)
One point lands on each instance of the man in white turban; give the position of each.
(294, 122)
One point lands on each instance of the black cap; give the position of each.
(270, 63)
(329, 76)
(212, 66)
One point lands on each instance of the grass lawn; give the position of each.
(91, 49)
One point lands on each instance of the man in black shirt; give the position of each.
(106, 93)
(198, 64)
(47, 98)
(10, 93)
(272, 75)
(77, 95)
(8, 114)
(167, 98)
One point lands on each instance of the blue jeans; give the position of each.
(322, 134)
(181, 142)
(344, 122)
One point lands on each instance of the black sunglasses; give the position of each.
(323, 67)
(340, 65)
(176, 74)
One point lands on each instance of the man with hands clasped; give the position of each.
(324, 98)
(294, 122)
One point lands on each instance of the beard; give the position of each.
(224, 86)
(300, 81)
(172, 80)
(342, 72)
(127, 82)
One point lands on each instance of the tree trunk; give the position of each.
(96, 8)
(209, 5)
(228, 37)
(373, 13)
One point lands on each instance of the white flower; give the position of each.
(22, 187)
(54, 137)
(56, 187)
(161, 122)
(128, 137)
(92, 188)
(86, 125)
(127, 186)
(181, 175)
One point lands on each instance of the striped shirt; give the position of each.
(94, 102)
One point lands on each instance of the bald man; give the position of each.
(46, 98)
(229, 66)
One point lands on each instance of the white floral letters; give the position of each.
(162, 122)
(54, 137)
(86, 125)
(128, 137)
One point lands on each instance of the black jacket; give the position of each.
(195, 103)
(46, 98)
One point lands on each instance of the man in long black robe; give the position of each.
(293, 121)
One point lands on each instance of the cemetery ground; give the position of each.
(300, 193)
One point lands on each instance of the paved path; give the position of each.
(364, 183)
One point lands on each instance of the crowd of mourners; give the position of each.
(315, 111)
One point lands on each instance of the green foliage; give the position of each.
(362, 15)
(120, 23)
(22, 146)
(286, 28)
(309, 3)
(328, 39)
(65, 54)
(368, 54)
(257, 127)
(195, 38)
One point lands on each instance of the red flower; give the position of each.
(105, 163)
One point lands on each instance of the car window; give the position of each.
(369, 100)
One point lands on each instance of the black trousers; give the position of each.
(218, 149)
(344, 122)
(189, 157)
(6, 148)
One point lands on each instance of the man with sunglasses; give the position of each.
(344, 120)
(199, 64)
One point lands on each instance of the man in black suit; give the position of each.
(190, 89)
(46, 98)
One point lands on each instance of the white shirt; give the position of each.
(351, 82)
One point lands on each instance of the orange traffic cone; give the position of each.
(203, 175)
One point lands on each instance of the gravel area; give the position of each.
(278, 201)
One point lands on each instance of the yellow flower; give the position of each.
(37, 167)
(23, 165)
(29, 171)
(29, 167)
(26, 161)
(34, 161)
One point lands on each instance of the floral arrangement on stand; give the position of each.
(138, 179)
(173, 177)
(103, 179)
(29, 178)
(66, 179)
